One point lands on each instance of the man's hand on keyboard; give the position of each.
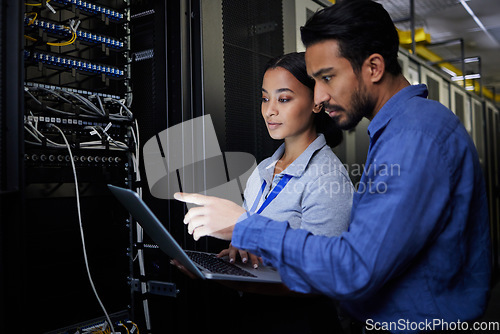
(213, 217)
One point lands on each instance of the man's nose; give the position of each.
(321, 95)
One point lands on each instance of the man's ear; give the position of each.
(376, 66)
(317, 108)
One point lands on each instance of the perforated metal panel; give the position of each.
(253, 34)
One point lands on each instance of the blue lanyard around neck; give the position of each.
(276, 190)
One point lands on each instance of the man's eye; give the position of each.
(327, 78)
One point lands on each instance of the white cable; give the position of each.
(94, 110)
(77, 25)
(123, 106)
(31, 133)
(129, 100)
(135, 141)
(94, 131)
(81, 226)
(117, 143)
(137, 146)
(34, 120)
(39, 134)
(139, 230)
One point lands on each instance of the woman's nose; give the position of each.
(272, 108)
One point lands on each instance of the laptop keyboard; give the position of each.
(217, 265)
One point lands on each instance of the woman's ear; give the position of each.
(317, 108)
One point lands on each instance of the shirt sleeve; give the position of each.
(326, 204)
(397, 213)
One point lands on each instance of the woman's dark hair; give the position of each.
(361, 28)
(295, 63)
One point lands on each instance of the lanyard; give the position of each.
(276, 190)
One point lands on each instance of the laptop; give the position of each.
(202, 265)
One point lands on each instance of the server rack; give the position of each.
(77, 133)
(11, 153)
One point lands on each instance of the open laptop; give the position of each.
(203, 265)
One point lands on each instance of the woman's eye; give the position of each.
(264, 99)
(283, 99)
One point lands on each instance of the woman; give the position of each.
(303, 182)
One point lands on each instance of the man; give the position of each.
(416, 256)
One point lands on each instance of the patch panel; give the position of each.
(69, 89)
(93, 9)
(75, 121)
(82, 35)
(78, 64)
(83, 134)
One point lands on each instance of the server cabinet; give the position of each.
(491, 176)
(11, 161)
(478, 130)
(458, 103)
(439, 89)
(69, 98)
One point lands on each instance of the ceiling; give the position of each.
(447, 20)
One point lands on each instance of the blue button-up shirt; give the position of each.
(418, 247)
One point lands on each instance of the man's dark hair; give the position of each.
(361, 28)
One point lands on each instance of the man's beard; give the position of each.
(361, 106)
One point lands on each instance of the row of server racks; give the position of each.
(481, 119)
(83, 85)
